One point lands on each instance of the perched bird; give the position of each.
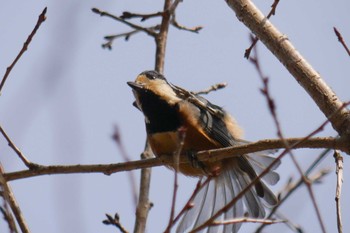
(166, 109)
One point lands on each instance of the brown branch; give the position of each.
(339, 171)
(132, 25)
(115, 221)
(214, 87)
(341, 40)
(41, 19)
(129, 15)
(305, 75)
(110, 39)
(7, 216)
(241, 220)
(144, 204)
(10, 199)
(181, 27)
(18, 152)
(161, 38)
(210, 155)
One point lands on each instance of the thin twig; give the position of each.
(214, 87)
(292, 226)
(256, 39)
(10, 199)
(29, 164)
(132, 25)
(189, 203)
(210, 155)
(241, 220)
(341, 40)
(41, 19)
(181, 134)
(129, 15)
(181, 27)
(132, 180)
(110, 39)
(7, 216)
(339, 171)
(115, 221)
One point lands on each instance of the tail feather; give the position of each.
(231, 188)
(251, 200)
(221, 190)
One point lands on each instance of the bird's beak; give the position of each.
(135, 86)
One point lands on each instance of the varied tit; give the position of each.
(166, 109)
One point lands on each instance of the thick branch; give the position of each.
(302, 71)
(211, 155)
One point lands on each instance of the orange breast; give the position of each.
(167, 144)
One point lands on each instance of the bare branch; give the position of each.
(161, 38)
(10, 199)
(41, 19)
(115, 221)
(110, 39)
(210, 155)
(339, 171)
(29, 164)
(214, 87)
(129, 15)
(134, 26)
(144, 205)
(341, 40)
(7, 216)
(181, 27)
(306, 76)
(251, 220)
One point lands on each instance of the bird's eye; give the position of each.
(152, 75)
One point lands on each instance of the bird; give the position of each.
(167, 109)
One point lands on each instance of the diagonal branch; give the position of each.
(302, 71)
(341, 40)
(10, 198)
(41, 19)
(18, 152)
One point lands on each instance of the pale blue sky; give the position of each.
(66, 94)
